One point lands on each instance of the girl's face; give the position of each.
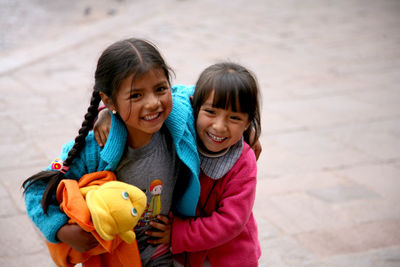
(144, 105)
(218, 128)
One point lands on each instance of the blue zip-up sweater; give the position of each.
(93, 158)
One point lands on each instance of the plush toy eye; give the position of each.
(134, 212)
(125, 195)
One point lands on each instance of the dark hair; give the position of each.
(234, 87)
(117, 62)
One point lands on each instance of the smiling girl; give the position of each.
(133, 81)
(227, 114)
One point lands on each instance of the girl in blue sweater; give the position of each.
(133, 81)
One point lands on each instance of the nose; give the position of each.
(219, 124)
(152, 101)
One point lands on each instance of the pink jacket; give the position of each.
(225, 231)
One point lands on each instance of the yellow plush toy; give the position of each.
(115, 208)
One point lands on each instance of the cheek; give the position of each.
(126, 110)
(167, 102)
(240, 130)
(200, 124)
(170, 101)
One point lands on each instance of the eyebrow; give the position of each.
(161, 83)
(211, 105)
(208, 104)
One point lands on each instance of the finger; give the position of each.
(90, 239)
(159, 226)
(257, 150)
(108, 129)
(162, 223)
(154, 234)
(163, 218)
(154, 241)
(98, 138)
(158, 240)
(103, 137)
(93, 240)
(93, 244)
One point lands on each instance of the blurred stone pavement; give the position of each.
(329, 71)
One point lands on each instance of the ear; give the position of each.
(107, 101)
(247, 126)
(191, 100)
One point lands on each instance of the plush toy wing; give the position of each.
(115, 208)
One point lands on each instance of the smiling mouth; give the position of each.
(151, 117)
(216, 138)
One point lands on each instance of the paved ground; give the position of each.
(329, 174)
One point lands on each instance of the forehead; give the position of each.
(209, 99)
(226, 99)
(151, 78)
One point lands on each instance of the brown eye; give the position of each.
(135, 96)
(162, 89)
(236, 118)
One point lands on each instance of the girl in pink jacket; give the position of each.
(224, 232)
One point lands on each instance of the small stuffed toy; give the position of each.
(101, 205)
(115, 208)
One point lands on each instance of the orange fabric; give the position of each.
(108, 253)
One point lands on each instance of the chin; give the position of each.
(214, 149)
(155, 129)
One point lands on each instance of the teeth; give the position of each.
(151, 117)
(216, 138)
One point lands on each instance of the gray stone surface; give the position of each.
(342, 193)
(329, 73)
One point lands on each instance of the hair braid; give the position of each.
(53, 178)
(87, 125)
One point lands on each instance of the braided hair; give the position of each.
(116, 63)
